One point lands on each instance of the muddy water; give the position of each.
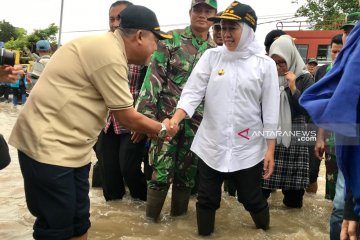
(125, 219)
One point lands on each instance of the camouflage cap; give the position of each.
(211, 3)
(351, 19)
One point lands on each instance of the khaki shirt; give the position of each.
(67, 108)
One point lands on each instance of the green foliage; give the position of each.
(17, 38)
(327, 14)
(7, 31)
(47, 33)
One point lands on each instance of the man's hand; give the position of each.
(319, 149)
(349, 230)
(9, 74)
(320, 144)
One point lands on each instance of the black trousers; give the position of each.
(248, 186)
(292, 197)
(58, 197)
(121, 163)
(4, 153)
(314, 164)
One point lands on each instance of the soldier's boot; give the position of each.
(205, 221)
(262, 218)
(154, 203)
(179, 200)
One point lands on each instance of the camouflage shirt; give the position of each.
(170, 68)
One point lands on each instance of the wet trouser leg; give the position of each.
(209, 197)
(173, 163)
(4, 153)
(249, 193)
(338, 207)
(293, 198)
(96, 175)
(147, 167)
(58, 197)
(112, 179)
(314, 167)
(130, 157)
(248, 184)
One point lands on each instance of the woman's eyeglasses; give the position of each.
(280, 63)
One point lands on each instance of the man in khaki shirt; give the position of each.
(65, 112)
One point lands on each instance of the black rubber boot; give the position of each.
(261, 219)
(179, 200)
(205, 221)
(154, 203)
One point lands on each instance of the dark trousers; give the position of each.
(248, 186)
(121, 162)
(4, 153)
(58, 197)
(292, 197)
(314, 164)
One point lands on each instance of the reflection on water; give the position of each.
(125, 219)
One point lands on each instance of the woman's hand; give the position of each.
(269, 162)
(291, 79)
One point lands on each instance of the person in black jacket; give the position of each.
(336, 45)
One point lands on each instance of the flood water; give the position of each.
(125, 219)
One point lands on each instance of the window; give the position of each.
(323, 53)
(303, 50)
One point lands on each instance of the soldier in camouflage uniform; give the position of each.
(171, 65)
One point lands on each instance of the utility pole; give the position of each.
(60, 29)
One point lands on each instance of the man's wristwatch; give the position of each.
(162, 133)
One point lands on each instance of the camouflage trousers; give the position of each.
(331, 175)
(173, 163)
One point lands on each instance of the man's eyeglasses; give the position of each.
(280, 63)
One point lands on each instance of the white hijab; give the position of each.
(285, 48)
(248, 45)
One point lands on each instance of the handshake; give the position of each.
(172, 128)
(169, 128)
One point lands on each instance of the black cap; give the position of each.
(312, 60)
(140, 17)
(238, 12)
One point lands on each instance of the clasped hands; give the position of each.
(172, 128)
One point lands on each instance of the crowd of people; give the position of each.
(20, 88)
(182, 110)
